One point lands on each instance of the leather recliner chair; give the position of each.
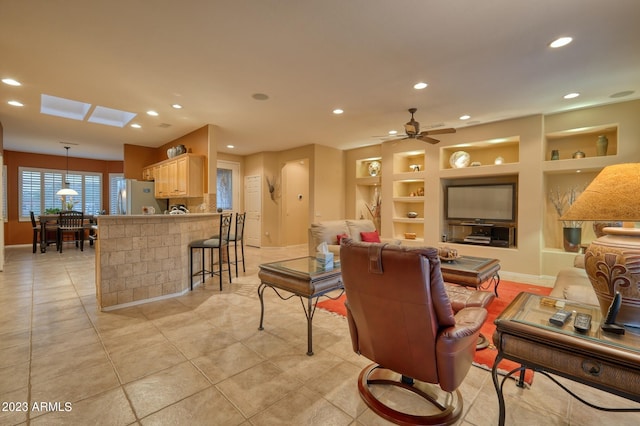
(400, 317)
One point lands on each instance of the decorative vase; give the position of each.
(572, 237)
(555, 154)
(601, 145)
(579, 154)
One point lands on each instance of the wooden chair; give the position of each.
(71, 222)
(219, 243)
(238, 236)
(36, 231)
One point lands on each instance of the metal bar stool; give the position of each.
(238, 236)
(221, 243)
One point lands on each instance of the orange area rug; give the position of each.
(484, 358)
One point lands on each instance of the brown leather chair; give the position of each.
(401, 318)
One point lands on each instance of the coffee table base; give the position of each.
(309, 308)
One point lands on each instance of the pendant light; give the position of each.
(65, 190)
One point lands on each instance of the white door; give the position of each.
(253, 207)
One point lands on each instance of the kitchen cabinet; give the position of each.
(181, 176)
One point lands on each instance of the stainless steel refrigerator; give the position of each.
(138, 197)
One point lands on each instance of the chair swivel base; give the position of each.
(447, 411)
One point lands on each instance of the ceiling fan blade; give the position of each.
(425, 138)
(439, 131)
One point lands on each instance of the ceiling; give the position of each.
(489, 59)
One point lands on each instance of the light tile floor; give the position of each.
(200, 359)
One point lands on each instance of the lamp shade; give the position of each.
(614, 195)
(66, 191)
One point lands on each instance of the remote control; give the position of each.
(560, 318)
(582, 322)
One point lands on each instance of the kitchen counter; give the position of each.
(141, 258)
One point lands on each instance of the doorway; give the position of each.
(253, 207)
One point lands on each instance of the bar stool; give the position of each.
(221, 243)
(238, 236)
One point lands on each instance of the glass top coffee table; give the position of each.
(472, 271)
(304, 277)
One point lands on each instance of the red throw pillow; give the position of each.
(341, 236)
(370, 237)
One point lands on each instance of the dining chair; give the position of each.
(71, 222)
(36, 231)
(238, 237)
(219, 243)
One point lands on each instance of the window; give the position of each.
(227, 185)
(38, 189)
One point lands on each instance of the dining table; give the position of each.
(46, 225)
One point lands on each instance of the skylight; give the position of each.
(111, 117)
(65, 108)
(76, 110)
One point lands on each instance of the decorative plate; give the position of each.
(374, 168)
(459, 159)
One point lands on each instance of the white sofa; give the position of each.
(328, 231)
(573, 284)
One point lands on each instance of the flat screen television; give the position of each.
(481, 203)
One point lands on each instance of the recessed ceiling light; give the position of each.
(420, 85)
(338, 111)
(571, 95)
(153, 113)
(622, 94)
(176, 106)
(465, 117)
(231, 146)
(136, 126)
(11, 82)
(562, 41)
(393, 132)
(15, 103)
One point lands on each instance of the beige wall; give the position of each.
(326, 190)
(538, 251)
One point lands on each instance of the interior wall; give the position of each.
(329, 186)
(20, 232)
(295, 202)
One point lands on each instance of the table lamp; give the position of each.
(612, 261)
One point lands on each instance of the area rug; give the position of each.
(484, 358)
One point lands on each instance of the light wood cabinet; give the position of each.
(181, 176)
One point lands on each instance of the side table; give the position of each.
(601, 360)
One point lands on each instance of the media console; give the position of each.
(479, 233)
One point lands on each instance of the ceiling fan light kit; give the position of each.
(412, 130)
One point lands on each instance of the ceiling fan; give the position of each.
(412, 129)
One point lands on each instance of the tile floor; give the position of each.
(200, 359)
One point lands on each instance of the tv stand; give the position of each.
(485, 234)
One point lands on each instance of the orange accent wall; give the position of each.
(16, 232)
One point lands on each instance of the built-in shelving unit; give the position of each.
(567, 173)
(367, 185)
(490, 153)
(408, 195)
(525, 146)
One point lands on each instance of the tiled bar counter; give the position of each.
(141, 258)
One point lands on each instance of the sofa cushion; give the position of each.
(328, 231)
(357, 226)
(370, 237)
(341, 236)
